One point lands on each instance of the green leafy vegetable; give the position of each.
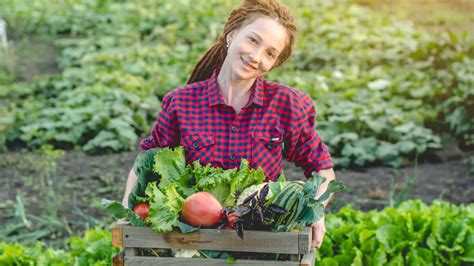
(413, 233)
(168, 166)
(143, 168)
(282, 206)
(119, 212)
(225, 185)
(165, 207)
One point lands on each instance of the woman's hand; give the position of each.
(319, 230)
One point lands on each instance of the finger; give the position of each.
(317, 239)
(316, 244)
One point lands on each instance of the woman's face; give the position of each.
(255, 48)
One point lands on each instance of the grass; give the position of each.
(396, 198)
(48, 207)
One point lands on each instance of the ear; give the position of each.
(231, 35)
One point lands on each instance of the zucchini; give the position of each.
(289, 192)
(278, 198)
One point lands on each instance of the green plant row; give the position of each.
(94, 248)
(411, 234)
(384, 89)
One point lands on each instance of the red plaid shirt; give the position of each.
(278, 122)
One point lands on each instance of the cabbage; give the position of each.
(248, 191)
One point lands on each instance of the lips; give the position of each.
(247, 64)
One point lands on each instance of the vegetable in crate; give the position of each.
(225, 184)
(142, 210)
(172, 170)
(164, 181)
(202, 209)
(282, 205)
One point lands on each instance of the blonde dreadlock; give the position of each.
(245, 14)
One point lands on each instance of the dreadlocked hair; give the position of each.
(245, 14)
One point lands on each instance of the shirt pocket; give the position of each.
(198, 146)
(267, 152)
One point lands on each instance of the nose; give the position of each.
(255, 55)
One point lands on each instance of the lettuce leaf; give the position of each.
(224, 184)
(213, 180)
(165, 206)
(243, 178)
(170, 166)
(468, 255)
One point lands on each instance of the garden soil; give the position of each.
(79, 182)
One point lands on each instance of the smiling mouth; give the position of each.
(247, 64)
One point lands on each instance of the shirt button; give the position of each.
(232, 157)
(195, 144)
(234, 128)
(269, 145)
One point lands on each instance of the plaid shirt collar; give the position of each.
(215, 96)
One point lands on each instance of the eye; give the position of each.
(252, 39)
(271, 54)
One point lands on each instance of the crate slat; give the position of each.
(144, 261)
(304, 240)
(308, 259)
(224, 240)
(297, 244)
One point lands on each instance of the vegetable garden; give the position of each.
(81, 83)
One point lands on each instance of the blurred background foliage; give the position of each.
(386, 90)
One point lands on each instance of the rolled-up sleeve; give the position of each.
(165, 131)
(303, 145)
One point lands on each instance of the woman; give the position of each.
(227, 111)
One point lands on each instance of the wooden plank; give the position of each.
(117, 240)
(211, 239)
(144, 261)
(305, 237)
(308, 259)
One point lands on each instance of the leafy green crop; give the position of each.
(94, 248)
(412, 234)
(381, 85)
(385, 90)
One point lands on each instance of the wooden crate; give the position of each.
(131, 239)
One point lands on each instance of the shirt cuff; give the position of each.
(323, 164)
